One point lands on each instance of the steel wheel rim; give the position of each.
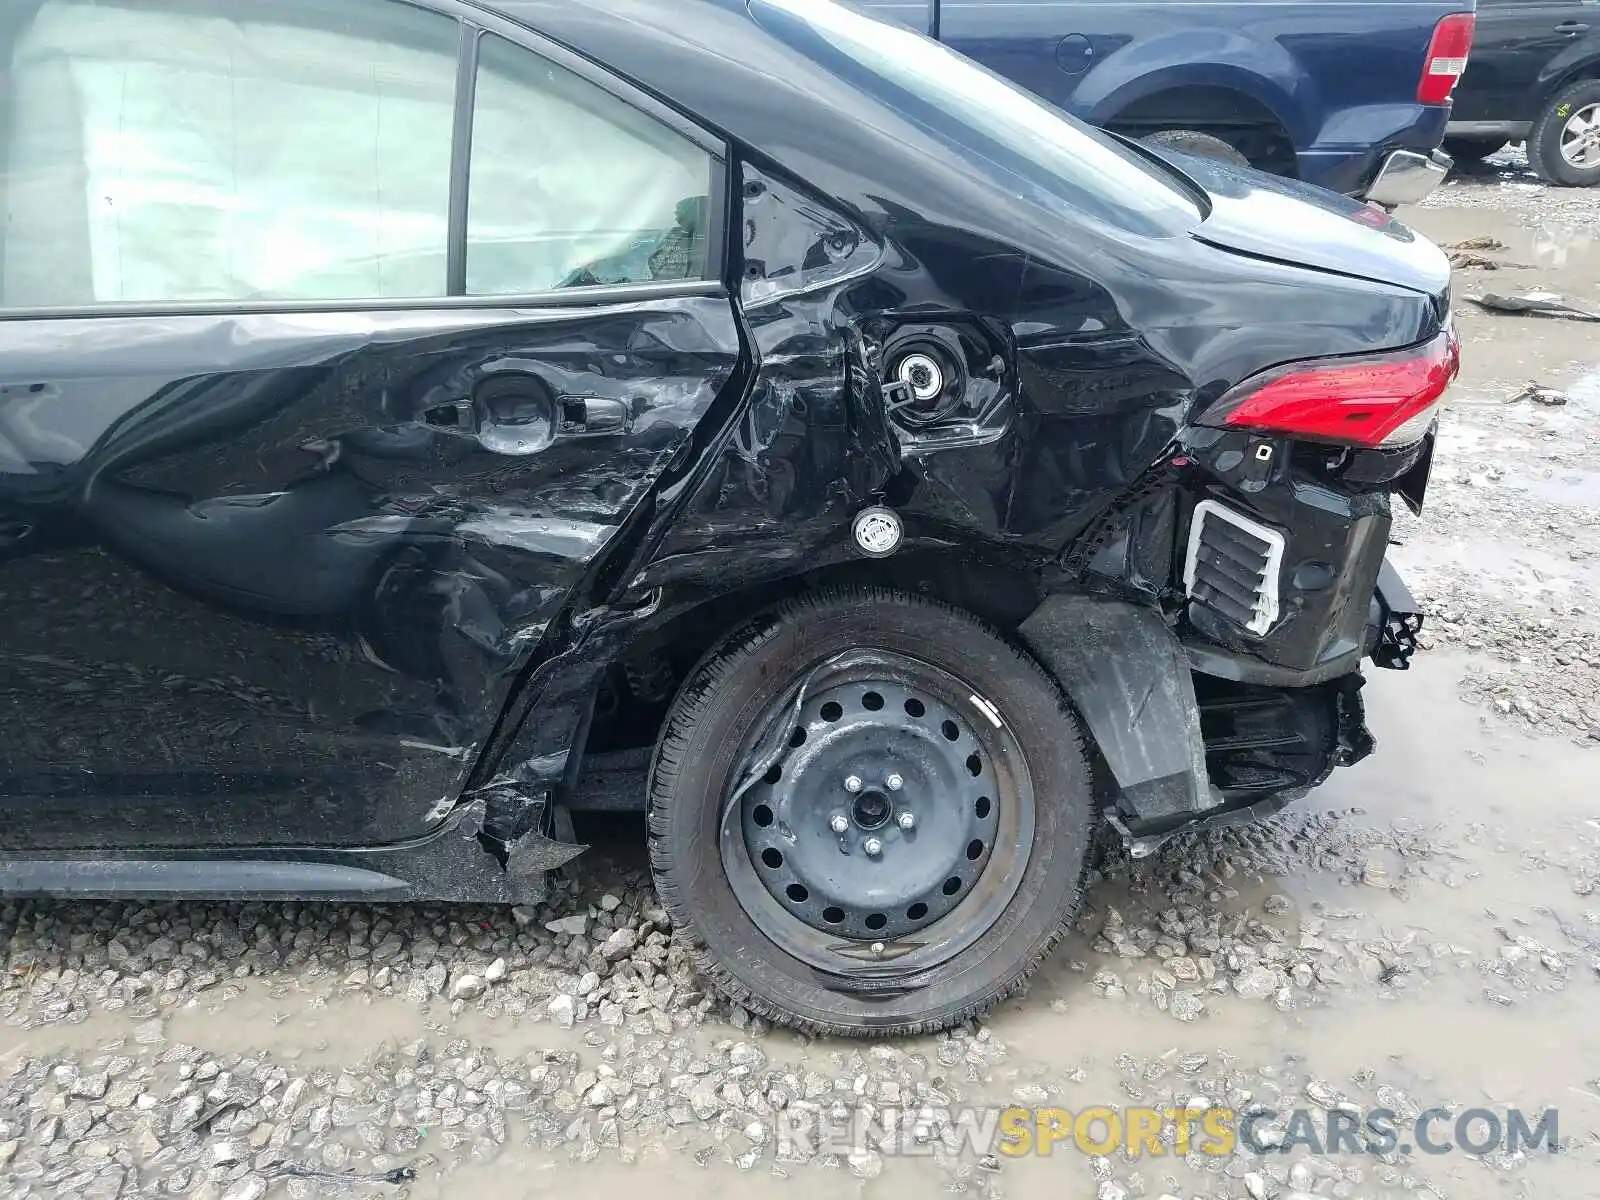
(1580, 137)
(953, 806)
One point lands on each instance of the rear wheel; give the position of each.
(1564, 144)
(1202, 145)
(869, 814)
(1473, 149)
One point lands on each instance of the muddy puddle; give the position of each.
(1580, 488)
(1524, 240)
(1505, 567)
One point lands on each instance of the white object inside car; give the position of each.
(158, 151)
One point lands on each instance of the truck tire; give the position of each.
(869, 815)
(1564, 143)
(1473, 149)
(1192, 141)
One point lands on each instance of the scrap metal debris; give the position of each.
(1540, 394)
(1538, 304)
(396, 1175)
(1584, 942)
(203, 1121)
(1471, 254)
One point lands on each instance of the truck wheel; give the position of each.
(1564, 143)
(1192, 141)
(1473, 149)
(869, 815)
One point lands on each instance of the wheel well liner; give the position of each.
(1216, 110)
(1000, 591)
(1129, 679)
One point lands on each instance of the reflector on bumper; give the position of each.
(1232, 565)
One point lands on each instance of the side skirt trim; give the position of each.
(244, 879)
(455, 863)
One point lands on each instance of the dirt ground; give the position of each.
(1422, 933)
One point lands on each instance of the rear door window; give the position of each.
(227, 151)
(572, 186)
(216, 152)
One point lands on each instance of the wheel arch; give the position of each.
(1576, 65)
(1001, 590)
(1117, 665)
(1205, 62)
(1238, 118)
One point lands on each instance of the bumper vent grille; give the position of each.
(1232, 566)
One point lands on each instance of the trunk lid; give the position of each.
(1287, 221)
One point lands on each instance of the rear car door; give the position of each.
(1513, 42)
(337, 345)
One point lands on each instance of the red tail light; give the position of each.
(1381, 400)
(1447, 58)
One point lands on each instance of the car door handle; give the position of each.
(1572, 28)
(592, 416)
(518, 414)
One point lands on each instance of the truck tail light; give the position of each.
(1447, 58)
(1374, 401)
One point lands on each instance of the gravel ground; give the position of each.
(1421, 933)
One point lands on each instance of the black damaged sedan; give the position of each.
(420, 421)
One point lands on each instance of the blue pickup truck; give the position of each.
(1353, 95)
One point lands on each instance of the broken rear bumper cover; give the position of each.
(1394, 623)
(1176, 760)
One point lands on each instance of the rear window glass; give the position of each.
(1051, 155)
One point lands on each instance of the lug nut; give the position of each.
(838, 824)
(873, 847)
(907, 821)
(894, 783)
(852, 783)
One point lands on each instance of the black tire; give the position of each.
(1202, 145)
(1545, 138)
(1473, 149)
(721, 707)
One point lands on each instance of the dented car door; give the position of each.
(342, 393)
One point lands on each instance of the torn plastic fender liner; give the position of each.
(1129, 679)
(510, 832)
(1395, 621)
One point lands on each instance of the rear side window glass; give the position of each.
(231, 150)
(570, 186)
